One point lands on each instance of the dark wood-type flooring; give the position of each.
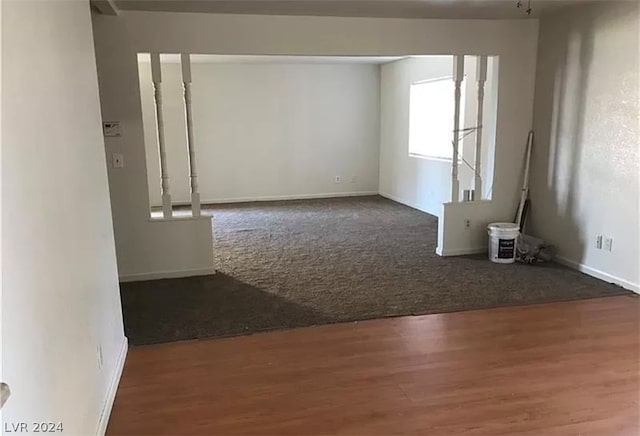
(564, 368)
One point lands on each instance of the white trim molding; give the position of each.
(405, 203)
(280, 197)
(460, 251)
(593, 272)
(103, 421)
(154, 275)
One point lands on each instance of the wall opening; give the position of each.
(431, 118)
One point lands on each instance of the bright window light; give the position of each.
(431, 109)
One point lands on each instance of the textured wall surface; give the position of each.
(585, 170)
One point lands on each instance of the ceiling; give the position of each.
(487, 9)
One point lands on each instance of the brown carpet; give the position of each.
(300, 263)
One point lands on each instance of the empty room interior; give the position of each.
(320, 217)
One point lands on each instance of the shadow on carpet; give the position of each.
(311, 262)
(205, 306)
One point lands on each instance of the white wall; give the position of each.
(585, 171)
(421, 183)
(268, 130)
(426, 183)
(1, 214)
(119, 39)
(455, 239)
(146, 248)
(60, 297)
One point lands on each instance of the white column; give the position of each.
(481, 76)
(458, 76)
(191, 147)
(156, 76)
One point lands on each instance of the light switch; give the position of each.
(117, 160)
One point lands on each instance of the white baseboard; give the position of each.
(277, 198)
(598, 274)
(113, 388)
(460, 251)
(406, 203)
(397, 200)
(167, 274)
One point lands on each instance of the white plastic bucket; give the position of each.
(503, 238)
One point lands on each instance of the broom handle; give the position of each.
(525, 184)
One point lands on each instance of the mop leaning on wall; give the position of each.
(529, 249)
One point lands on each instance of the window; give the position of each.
(431, 109)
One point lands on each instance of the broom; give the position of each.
(523, 206)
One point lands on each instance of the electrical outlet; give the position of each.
(598, 242)
(354, 179)
(117, 160)
(338, 179)
(467, 224)
(608, 244)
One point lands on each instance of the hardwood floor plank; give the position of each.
(552, 369)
